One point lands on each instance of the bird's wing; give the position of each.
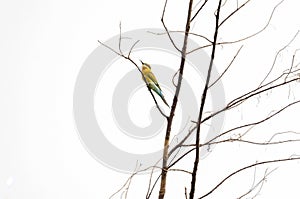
(158, 91)
(151, 76)
(155, 88)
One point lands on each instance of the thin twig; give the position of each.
(245, 168)
(165, 27)
(242, 39)
(254, 123)
(129, 59)
(178, 31)
(130, 179)
(151, 190)
(212, 115)
(254, 186)
(236, 128)
(277, 54)
(226, 68)
(198, 11)
(237, 101)
(110, 48)
(120, 38)
(292, 64)
(181, 170)
(182, 141)
(234, 12)
(173, 78)
(255, 92)
(185, 193)
(281, 133)
(135, 43)
(249, 142)
(181, 157)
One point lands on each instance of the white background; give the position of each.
(43, 45)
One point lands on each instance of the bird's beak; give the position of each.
(141, 61)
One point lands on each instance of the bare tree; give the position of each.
(236, 134)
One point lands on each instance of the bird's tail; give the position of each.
(162, 97)
(164, 100)
(158, 91)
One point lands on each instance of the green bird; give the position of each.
(152, 81)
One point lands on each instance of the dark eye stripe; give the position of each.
(147, 65)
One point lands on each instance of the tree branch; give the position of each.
(254, 123)
(236, 128)
(242, 39)
(277, 54)
(174, 104)
(203, 98)
(165, 27)
(226, 68)
(245, 168)
(234, 12)
(129, 59)
(261, 183)
(198, 11)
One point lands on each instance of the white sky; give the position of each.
(43, 46)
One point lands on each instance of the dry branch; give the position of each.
(242, 39)
(175, 100)
(245, 168)
(129, 59)
(203, 99)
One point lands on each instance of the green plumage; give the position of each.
(152, 81)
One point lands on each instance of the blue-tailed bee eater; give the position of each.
(152, 81)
